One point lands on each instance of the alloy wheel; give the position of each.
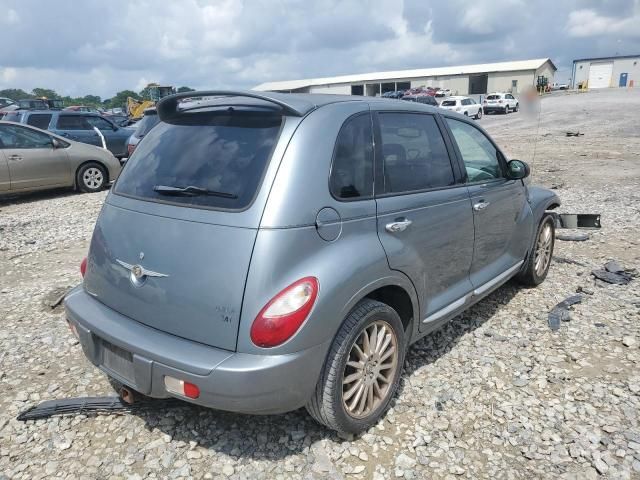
(93, 178)
(370, 369)
(543, 250)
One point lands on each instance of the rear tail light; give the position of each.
(83, 266)
(180, 387)
(285, 313)
(130, 148)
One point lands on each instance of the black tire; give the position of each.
(91, 177)
(529, 275)
(326, 404)
(479, 114)
(517, 107)
(506, 109)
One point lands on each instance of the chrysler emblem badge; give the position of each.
(136, 270)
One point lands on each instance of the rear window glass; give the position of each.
(448, 103)
(223, 156)
(39, 120)
(145, 124)
(493, 97)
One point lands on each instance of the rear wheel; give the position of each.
(361, 373)
(91, 177)
(539, 259)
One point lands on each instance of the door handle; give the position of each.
(481, 205)
(400, 225)
(15, 158)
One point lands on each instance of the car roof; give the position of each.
(298, 104)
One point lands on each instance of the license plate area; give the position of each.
(118, 361)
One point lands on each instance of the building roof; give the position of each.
(401, 74)
(596, 59)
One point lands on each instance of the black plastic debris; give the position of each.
(574, 134)
(560, 313)
(66, 406)
(614, 273)
(572, 237)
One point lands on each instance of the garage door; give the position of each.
(600, 75)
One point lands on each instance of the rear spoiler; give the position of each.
(167, 108)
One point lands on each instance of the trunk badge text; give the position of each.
(138, 273)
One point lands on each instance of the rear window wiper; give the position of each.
(191, 191)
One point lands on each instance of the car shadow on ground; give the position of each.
(270, 437)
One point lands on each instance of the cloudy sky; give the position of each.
(101, 47)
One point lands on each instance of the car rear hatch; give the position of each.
(173, 243)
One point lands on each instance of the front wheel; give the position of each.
(517, 107)
(506, 109)
(539, 260)
(362, 370)
(479, 114)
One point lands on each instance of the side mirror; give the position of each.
(517, 170)
(55, 143)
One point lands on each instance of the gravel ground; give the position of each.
(495, 394)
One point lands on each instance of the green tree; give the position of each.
(45, 92)
(120, 99)
(15, 94)
(186, 89)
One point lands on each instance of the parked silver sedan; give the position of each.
(33, 159)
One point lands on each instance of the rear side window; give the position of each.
(448, 103)
(72, 122)
(222, 155)
(414, 153)
(39, 120)
(145, 124)
(352, 168)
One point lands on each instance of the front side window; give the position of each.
(480, 157)
(414, 153)
(448, 103)
(13, 136)
(209, 160)
(146, 124)
(72, 122)
(39, 120)
(100, 123)
(352, 168)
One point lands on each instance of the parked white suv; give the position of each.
(500, 102)
(464, 105)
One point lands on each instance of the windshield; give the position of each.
(145, 124)
(220, 153)
(448, 103)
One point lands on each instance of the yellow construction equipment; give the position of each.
(136, 108)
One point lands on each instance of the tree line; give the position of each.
(117, 101)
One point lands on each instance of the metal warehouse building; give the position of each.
(604, 72)
(464, 80)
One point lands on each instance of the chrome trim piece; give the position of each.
(494, 281)
(447, 310)
(452, 307)
(139, 271)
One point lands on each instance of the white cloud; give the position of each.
(588, 23)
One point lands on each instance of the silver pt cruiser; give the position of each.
(261, 252)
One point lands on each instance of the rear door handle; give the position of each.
(400, 225)
(15, 158)
(481, 205)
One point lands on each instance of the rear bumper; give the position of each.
(493, 108)
(227, 380)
